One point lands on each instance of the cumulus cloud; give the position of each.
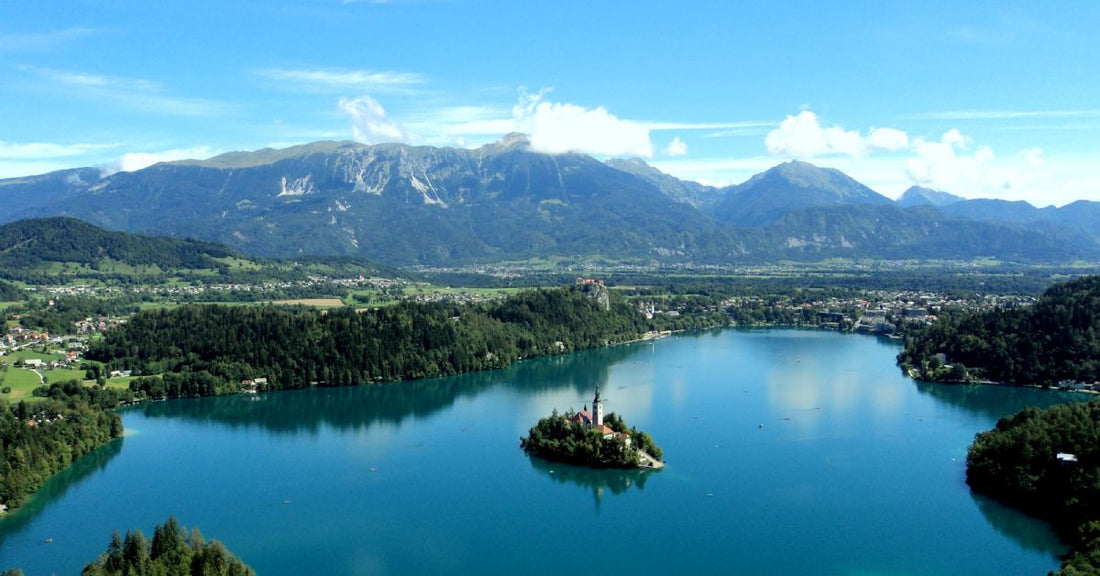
(677, 147)
(557, 128)
(887, 139)
(803, 136)
(369, 122)
(948, 164)
(132, 161)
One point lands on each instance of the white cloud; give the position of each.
(803, 136)
(133, 93)
(557, 128)
(677, 147)
(343, 79)
(887, 139)
(369, 122)
(945, 165)
(132, 161)
(1005, 114)
(43, 41)
(40, 150)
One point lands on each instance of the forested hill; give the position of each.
(28, 244)
(1018, 464)
(1056, 339)
(10, 292)
(207, 350)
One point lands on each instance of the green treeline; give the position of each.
(27, 243)
(37, 440)
(10, 292)
(1017, 463)
(209, 350)
(1057, 339)
(559, 438)
(173, 551)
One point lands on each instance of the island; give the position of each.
(590, 439)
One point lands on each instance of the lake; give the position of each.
(788, 452)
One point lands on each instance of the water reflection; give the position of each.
(57, 486)
(358, 407)
(1019, 527)
(598, 481)
(996, 401)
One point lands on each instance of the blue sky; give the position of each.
(981, 99)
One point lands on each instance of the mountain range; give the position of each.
(403, 205)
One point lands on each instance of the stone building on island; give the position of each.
(594, 420)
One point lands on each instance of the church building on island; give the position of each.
(594, 420)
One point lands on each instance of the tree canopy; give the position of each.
(37, 440)
(1018, 463)
(173, 552)
(1056, 339)
(208, 350)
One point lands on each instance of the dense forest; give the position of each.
(1055, 340)
(1017, 462)
(559, 438)
(173, 550)
(27, 243)
(10, 292)
(210, 350)
(39, 439)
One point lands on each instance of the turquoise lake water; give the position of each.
(788, 452)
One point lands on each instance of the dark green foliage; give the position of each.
(27, 243)
(173, 552)
(557, 438)
(72, 421)
(61, 316)
(1056, 339)
(11, 293)
(1017, 463)
(208, 350)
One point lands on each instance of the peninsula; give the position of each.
(589, 439)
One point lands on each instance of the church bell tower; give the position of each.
(597, 409)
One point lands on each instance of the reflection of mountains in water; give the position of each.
(360, 406)
(57, 486)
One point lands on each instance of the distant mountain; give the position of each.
(920, 196)
(789, 187)
(921, 232)
(990, 210)
(705, 198)
(404, 205)
(400, 204)
(46, 190)
(1083, 215)
(34, 243)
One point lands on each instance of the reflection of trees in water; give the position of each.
(598, 480)
(57, 486)
(996, 401)
(360, 406)
(1020, 527)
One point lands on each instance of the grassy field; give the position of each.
(28, 354)
(21, 381)
(61, 375)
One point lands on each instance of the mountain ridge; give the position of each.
(400, 205)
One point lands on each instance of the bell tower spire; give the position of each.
(597, 409)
